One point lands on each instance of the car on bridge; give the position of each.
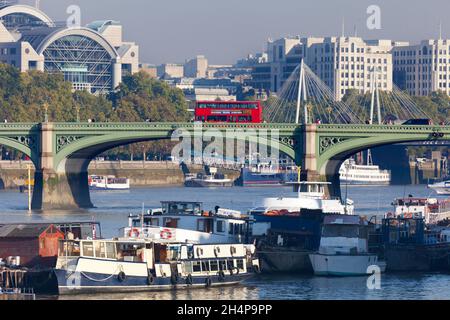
(418, 122)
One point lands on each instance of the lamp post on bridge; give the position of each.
(46, 112)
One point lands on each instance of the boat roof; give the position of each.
(342, 219)
(189, 202)
(309, 183)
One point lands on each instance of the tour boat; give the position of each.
(442, 188)
(432, 210)
(213, 179)
(292, 226)
(344, 249)
(108, 183)
(187, 221)
(127, 264)
(351, 173)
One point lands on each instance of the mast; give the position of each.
(299, 95)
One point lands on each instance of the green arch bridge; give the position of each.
(61, 152)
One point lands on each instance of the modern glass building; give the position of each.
(92, 58)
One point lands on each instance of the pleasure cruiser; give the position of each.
(441, 187)
(351, 173)
(108, 183)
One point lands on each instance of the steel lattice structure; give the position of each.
(82, 60)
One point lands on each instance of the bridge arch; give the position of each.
(73, 153)
(334, 149)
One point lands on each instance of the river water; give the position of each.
(113, 208)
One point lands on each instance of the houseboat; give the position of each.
(293, 226)
(344, 248)
(127, 264)
(187, 221)
(432, 210)
(108, 183)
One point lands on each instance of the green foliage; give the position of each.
(23, 97)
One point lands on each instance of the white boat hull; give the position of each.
(344, 265)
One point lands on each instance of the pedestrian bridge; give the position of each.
(61, 152)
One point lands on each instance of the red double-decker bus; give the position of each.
(229, 111)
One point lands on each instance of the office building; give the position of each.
(342, 63)
(422, 68)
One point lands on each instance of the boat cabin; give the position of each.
(344, 234)
(162, 259)
(412, 231)
(432, 210)
(176, 216)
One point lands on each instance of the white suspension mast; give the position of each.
(301, 88)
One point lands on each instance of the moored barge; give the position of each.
(122, 265)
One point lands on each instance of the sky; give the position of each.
(171, 31)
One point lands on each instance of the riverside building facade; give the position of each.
(342, 63)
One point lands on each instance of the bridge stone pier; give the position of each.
(61, 152)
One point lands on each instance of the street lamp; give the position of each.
(46, 112)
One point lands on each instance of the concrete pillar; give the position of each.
(58, 189)
(116, 73)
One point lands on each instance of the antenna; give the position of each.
(37, 4)
(355, 29)
(440, 30)
(343, 27)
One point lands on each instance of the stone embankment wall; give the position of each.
(141, 174)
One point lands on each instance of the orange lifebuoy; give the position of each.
(134, 232)
(166, 234)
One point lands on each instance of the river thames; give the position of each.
(113, 208)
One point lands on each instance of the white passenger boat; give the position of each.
(121, 265)
(432, 210)
(187, 221)
(344, 249)
(310, 196)
(108, 183)
(442, 188)
(351, 173)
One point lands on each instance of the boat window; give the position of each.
(220, 226)
(340, 231)
(222, 265)
(69, 248)
(240, 264)
(196, 266)
(88, 249)
(187, 267)
(214, 265)
(100, 250)
(205, 225)
(171, 223)
(236, 228)
(110, 250)
(230, 264)
(205, 266)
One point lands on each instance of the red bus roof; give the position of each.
(229, 102)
